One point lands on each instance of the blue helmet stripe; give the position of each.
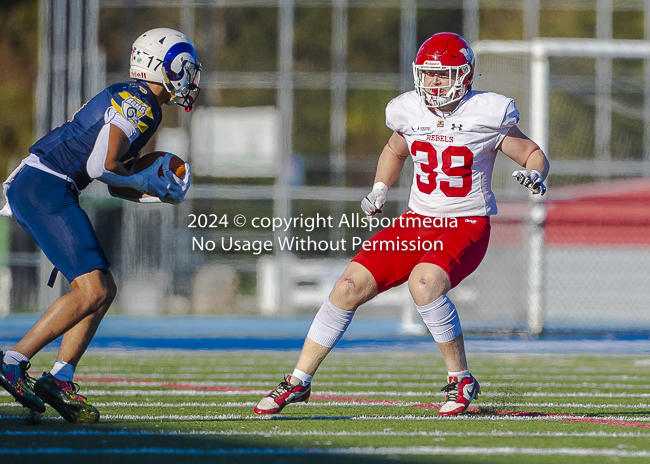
(173, 52)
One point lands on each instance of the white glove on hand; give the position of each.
(178, 187)
(374, 201)
(532, 180)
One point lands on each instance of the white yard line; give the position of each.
(379, 403)
(411, 450)
(397, 394)
(324, 376)
(244, 384)
(118, 404)
(427, 417)
(388, 393)
(321, 433)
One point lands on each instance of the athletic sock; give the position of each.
(14, 357)
(458, 375)
(63, 371)
(305, 379)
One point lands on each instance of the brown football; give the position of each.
(176, 165)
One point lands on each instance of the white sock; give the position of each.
(14, 357)
(460, 374)
(63, 371)
(305, 379)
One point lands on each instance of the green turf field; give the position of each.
(169, 407)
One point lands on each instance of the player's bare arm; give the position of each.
(392, 158)
(390, 164)
(518, 147)
(105, 164)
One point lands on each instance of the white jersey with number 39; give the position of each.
(453, 154)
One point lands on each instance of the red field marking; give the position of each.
(473, 410)
(175, 385)
(345, 399)
(641, 425)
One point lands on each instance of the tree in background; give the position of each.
(19, 55)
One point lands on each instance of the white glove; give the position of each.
(374, 201)
(178, 187)
(532, 180)
(146, 199)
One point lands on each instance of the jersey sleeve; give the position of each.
(402, 109)
(133, 109)
(113, 117)
(508, 118)
(392, 117)
(511, 116)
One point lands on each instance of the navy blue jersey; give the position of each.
(66, 149)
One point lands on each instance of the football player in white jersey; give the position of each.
(452, 134)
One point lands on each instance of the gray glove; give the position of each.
(374, 201)
(532, 180)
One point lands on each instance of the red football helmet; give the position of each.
(444, 52)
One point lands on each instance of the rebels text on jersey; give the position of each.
(66, 149)
(453, 154)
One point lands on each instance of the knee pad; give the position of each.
(329, 324)
(441, 319)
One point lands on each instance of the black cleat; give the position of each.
(15, 379)
(63, 397)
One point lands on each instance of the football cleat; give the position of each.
(63, 397)
(459, 394)
(284, 394)
(15, 379)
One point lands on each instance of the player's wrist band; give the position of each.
(380, 186)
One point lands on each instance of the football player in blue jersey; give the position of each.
(42, 194)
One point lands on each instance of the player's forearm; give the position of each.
(537, 161)
(117, 167)
(388, 167)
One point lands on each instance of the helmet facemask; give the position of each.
(184, 85)
(439, 96)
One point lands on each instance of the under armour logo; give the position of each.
(460, 127)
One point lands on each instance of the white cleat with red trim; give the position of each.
(460, 393)
(289, 391)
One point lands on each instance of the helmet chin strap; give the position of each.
(190, 104)
(448, 97)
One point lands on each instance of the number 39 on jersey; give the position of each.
(453, 154)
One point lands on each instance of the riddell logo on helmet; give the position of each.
(138, 75)
(432, 63)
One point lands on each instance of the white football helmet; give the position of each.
(168, 57)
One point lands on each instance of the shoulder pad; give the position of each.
(493, 110)
(402, 110)
(133, 108)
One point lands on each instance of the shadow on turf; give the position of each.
(620, 413)
(22, 434)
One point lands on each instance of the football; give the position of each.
(176, 165)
